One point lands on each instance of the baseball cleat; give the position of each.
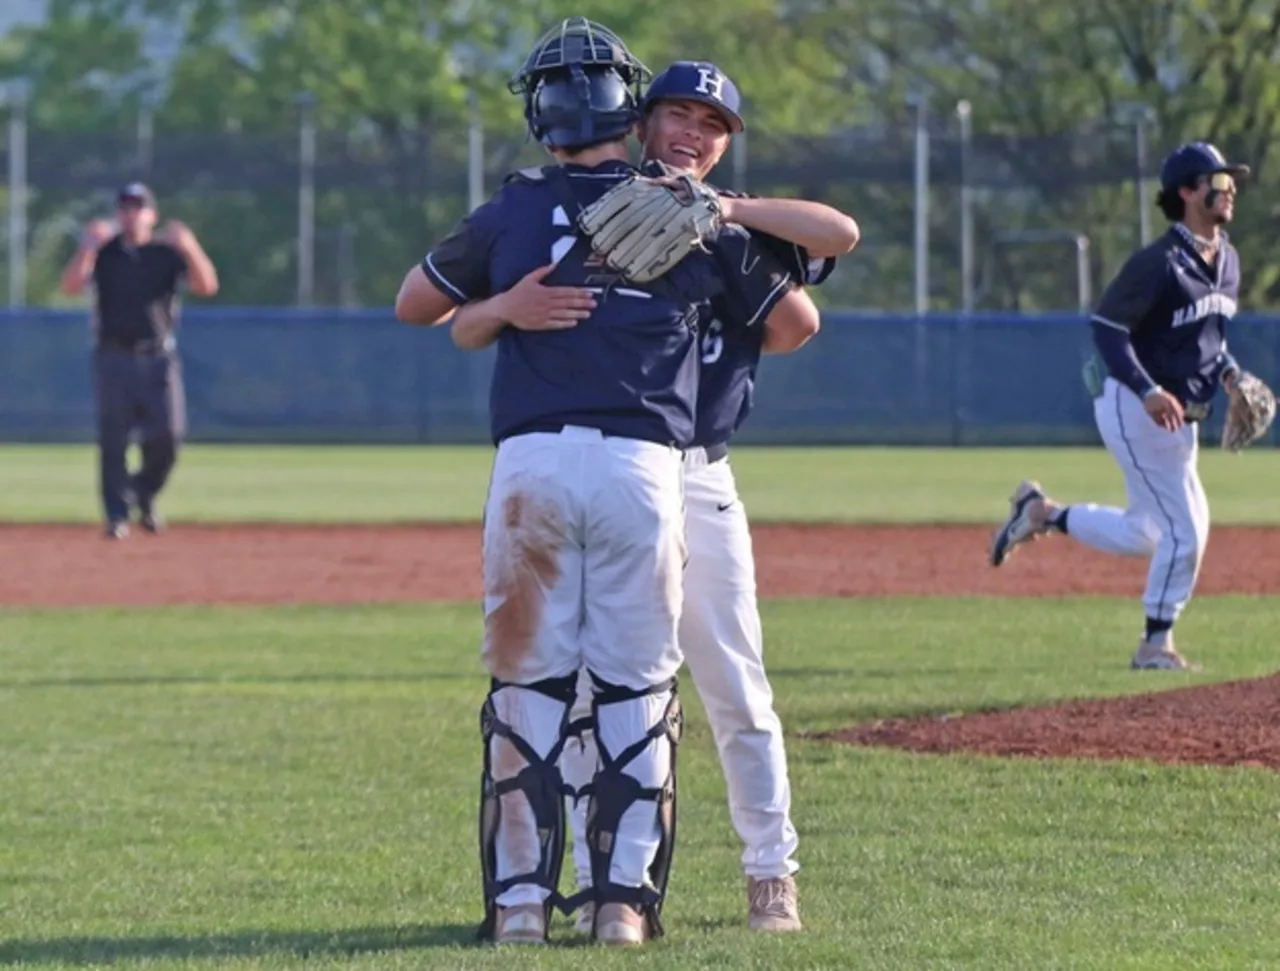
(151, 522)
(116, 530)
(521, 924)
(1028, 519)
(772, 904)
(620, 925)
(1160, 657)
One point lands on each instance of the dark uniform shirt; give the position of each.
(731, 352)
(1175, 308)
(137, 291)
(631, 369)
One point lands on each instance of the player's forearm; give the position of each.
(77, 272)
(820, 229)
(476, 325)
(1117, 352)
(202, 275)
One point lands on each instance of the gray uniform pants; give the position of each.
(139, 392)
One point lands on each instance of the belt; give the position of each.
(151, 346)
(706, 456)
(559, 427)
(1197, 410)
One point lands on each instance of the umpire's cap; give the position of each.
(698, 81)
(136, 193)
(1189, 162)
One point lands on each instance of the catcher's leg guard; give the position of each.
(540, 783)
(578, 764)
(614, 791)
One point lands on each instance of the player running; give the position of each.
(584, 527)
(1160, 330)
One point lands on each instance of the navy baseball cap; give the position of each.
(1189, 162)
(697, 81)
(138, 193)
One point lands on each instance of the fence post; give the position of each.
(964, 111)
(146, 133)
(475, 152)
(739, 150)
(1140, 151)
(306, 102)
(919, 102)
(19, 90)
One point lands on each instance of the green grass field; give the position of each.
(296, 787)
(388, 484)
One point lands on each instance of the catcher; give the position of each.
(1160, 331)
(584, 532)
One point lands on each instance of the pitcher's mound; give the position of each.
(1236, 723)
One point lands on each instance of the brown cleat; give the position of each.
(521, 924)
(620, 925)
(773, 904)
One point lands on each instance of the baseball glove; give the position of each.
(643, 226)
(1251, 408)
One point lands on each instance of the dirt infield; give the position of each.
(1238, 724)
(73, 565)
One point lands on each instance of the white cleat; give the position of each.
(620, 925)
(1028, 519)
(521, 924)
(1160, 657)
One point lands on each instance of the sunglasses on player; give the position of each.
(1221, 182)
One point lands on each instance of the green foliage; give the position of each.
(391, 82)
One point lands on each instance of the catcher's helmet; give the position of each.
(581, 86)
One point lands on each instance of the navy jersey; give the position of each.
(631, 368)
(730, 352)
(1175, 308)
(137, 291)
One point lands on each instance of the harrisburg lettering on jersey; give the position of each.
(1176, 308)
(730, 353)
(631, 368)
(136, 291)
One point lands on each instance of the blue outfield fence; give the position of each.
(287, 376)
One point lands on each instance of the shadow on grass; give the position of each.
(246, 944)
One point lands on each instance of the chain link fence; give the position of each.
(315, 218)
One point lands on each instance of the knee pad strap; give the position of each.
(543, 788)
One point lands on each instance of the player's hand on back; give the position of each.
(1165, 410)
(532, 305)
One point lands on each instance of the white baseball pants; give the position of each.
(720, 634)
(1167, 518)
(583, 554)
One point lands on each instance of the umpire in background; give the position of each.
(137, 373)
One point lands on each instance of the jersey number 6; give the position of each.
(713, 342)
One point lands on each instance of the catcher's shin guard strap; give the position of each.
(544, 789)
(613, 792)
